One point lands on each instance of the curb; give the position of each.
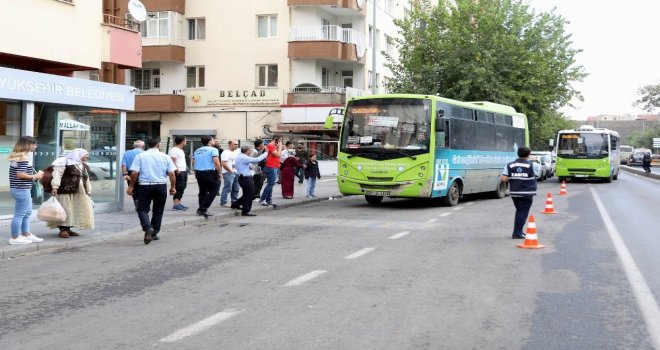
(101, 237)
(639, 172)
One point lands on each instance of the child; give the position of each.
(311, 174)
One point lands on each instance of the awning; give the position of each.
(70, 124)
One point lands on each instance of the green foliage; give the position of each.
(644, 139)
(490, 50)
(649, 97)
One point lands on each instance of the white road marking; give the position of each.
(359, 253)
(399, 235)
(444, 214)
(201, 325)
(647, 304)
(458, 208)
(326, 180)
(430, 221)
(304, 278)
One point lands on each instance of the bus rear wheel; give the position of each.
(374, 200)
(453, 195)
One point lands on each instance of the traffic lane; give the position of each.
(598, 308)
(433, 288)
(128, 283)
(633, 206)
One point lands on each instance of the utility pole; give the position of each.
(373, 48)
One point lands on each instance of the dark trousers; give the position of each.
(247, 185)
(208, 183)
(522, 204)
(147, 194)
(300, 173)
(181, 183)
(258, 184)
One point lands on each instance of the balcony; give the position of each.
(155, 101)
(321, 95)
(165, 5)
(122, 45)
(164, 53)
(336, 7)
(333, 43)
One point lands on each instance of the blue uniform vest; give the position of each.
(522, 181)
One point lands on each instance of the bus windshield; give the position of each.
(386, 128)
(583, 145)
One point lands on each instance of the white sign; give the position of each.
(366, 139)
(253, 97)
(69, 124)
(18, 84)
(390, 122)
(656, 142)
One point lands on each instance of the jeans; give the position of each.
(271, 177)
(20, 223)
(208, 183)
(149, 193)
(522, 204)
(231, 185)
(311, 183)
(299, 173)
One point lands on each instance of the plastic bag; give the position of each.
(51, 211)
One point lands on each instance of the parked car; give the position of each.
(100, 168)
(540, 168)
(547, 159)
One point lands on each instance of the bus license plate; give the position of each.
(378, 193)
(581, 175)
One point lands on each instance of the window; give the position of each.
(195, 77)
(145, 79)
(325, 77)
(389, 45)
(267, 26)
(156, 26)
(196, 29)
(267, 75)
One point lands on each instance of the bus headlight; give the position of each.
(421, 175)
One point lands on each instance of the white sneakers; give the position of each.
(25, 239)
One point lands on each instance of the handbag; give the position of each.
(51, 211)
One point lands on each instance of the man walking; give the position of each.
(244, 169)
(181, 172)
(227, 159)
(126, 162)
(271, 168)
(258, 169)
(303, 156)
(151, 169)
(207, 171)
(522, 188)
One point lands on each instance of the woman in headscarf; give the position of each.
(288, 175)
(73, 189)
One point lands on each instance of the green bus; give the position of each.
(424, 146)
(588, 152)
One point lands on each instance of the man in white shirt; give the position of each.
(181, 172)
(227, 159)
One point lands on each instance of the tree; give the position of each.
(649, 97)
(489, 50)
(644, 139)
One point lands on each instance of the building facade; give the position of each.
(259, 68)
(42, 93)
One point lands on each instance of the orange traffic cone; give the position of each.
(531, 240)
(549, 208)
(563, 192)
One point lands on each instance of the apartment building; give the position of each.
(246, 70)
(47, 47)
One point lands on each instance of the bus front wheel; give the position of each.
(453, 195)
(500, 192)
(374, 200)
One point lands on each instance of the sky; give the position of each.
(621, 51)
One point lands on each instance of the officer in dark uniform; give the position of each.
(522, 188)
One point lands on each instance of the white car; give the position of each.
(545, 158)
(540, 169)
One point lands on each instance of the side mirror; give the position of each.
(440, 122)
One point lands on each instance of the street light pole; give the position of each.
(373, 48)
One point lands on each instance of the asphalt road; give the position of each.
(345, 275)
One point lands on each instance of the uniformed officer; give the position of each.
(522, 188)
(207, 169)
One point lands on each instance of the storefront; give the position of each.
(64, 114)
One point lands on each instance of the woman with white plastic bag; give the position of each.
(73, 188)
(51, 211)
(21, 176)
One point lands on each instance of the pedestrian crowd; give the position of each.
(249, 171)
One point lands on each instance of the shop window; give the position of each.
(10, 132)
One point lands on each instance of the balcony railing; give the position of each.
(121, 22)
(329, 33)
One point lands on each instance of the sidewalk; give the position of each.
(119, 224)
